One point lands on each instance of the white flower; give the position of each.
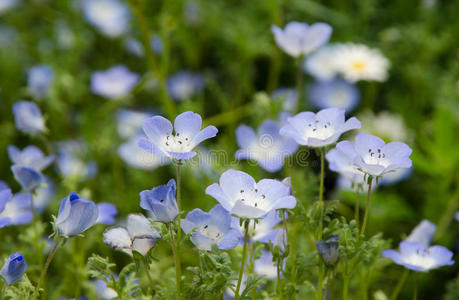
(110, 17)
(358, 62)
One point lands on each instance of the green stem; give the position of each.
(415, 291)
(345, 287)
(321, 191)
(147, 272)
(279, 284)
(357, 206)
(299, 83)
(320, 281)
(179, 230)
(284, 223)
(176, 260)
(45, 268)
(117, 289)
(367, 206)
(244, 258)
(2, 290)
(399, 286)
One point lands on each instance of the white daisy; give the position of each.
(358, 62)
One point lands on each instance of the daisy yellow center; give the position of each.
(359, 65)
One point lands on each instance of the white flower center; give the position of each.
(177, 143)
(421, 259)
(319, 129)
(211, 232)
(253, 198)
(376, 157)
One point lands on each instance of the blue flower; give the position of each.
(184, 84)
(240, 195)
(373, 156)
(280, 240)
(423, 233)
(5, 196)
(264, 231)
(113, 83)
(417, 257)
(321, 64)
(28, 118)
(318, 130)
(265, 266)
(139, 158)
(395, 176)
(328, 250)
(300, 38)
(103, 291)
(28, 177)
(75, 215)
(43, 195)
(266, 146)
(138, 236)
(16, 210)
(160, 201)
(287, 96)
(335, 93)
(107, 213)
(70, 160)
(110, 17)
(188, 134)
(39, 80)
(129, 122)
(30, 156)
(210, 228)
(343, 163)
(14, 268)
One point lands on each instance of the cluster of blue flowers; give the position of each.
(248, 211)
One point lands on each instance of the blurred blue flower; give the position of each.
(423, 233)
(76, 215)
(110, 17)
(239, 194)
(335, 93)
(265, 266)
(113, 83)
(129, 122)
(17, 210)
(139, 236)
(14, 268)
(210, 228)
(266, 146)
(106, 213)
(28, 177)
(103, 291)
(43, 195)
(318, 130)
(28, 118)
(264, 231)
(6, 5)
(280, 240)
(30, 156)
(70, 161)
(373, 156)
(5, 196)
(417, 257)
(160, 201)
(288, 96)
(136, 48)
(139, 158)
(184, 84)
(39, 80)
(395, 176)
(328, 250)
(300, 38)
(188, 134)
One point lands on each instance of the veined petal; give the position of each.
(246, 211)
(206, 133)
(188, 124)
(233, 181)
(157, 128)
(215, 191)
(230, 240)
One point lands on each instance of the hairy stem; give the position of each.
(320, 281)
(279, 283)
(399, 286)
(321, 191)
(176, 260)
(244, 258)
(367, 206)
(357, 206)
(345, 287)
(45, 269)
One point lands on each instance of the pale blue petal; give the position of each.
(157, 128)
(187, 124)
(216, 192)
(245, 136)
(28, 178)
(206, 133)
(230, 240)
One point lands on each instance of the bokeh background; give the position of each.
(229, 49)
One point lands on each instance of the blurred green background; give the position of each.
(231, 44)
